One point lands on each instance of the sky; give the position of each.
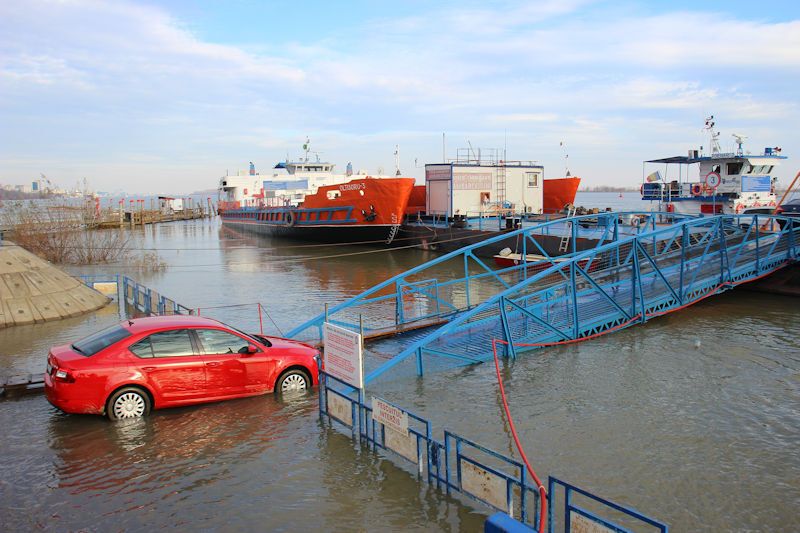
(166, 97)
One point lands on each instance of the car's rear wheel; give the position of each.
(293, 380)
(128, 402)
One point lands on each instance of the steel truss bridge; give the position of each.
(629, 274)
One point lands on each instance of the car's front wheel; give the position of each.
(128, 402)
(292, 381)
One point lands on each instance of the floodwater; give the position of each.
(693, 418)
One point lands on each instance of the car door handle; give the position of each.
(213, 363)
(149, 368)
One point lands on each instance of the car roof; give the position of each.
(138, 325)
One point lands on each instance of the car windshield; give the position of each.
(100, 340)
(257, 338)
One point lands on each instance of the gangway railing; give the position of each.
(620, 283)
(432, 293)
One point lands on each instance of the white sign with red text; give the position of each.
(389, 415)
(343, 356)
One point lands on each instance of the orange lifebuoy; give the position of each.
(697, 189)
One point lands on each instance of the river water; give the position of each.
(693, 418)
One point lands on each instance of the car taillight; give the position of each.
(64, 375)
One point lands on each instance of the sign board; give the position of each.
(485, 486)
(390, 416)
(470, 181)
(339, 408)
(402, 443)
(713, 180)
(343, 355)
(755, 183)
(581, 524)
(433, 173)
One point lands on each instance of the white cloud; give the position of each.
(84, 81)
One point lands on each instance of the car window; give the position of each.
(143, 348)
(216, 341)
(100, 340)
(171, 343)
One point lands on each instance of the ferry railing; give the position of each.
(460, 280)
(612, 286)
(458, 465)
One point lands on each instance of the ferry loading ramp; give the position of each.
(426, 318)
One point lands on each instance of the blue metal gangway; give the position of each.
(616, 274)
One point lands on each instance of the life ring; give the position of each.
(697, 189)
(290, 220)
(636, 221)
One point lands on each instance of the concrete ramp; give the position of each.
(33, 290)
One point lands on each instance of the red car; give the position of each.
(149, 363)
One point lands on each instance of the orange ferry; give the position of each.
(312, 203)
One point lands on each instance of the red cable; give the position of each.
(542, 491)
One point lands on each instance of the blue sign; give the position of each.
(756, 183)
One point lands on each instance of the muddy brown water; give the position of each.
(693, 418)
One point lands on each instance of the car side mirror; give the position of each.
(251, 349)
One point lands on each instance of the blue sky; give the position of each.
(167, 96)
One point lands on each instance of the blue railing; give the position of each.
(624, 282)
(576, 516)
(458, 281)
(148, 301)
(457, 464)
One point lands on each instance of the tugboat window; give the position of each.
(734, 168)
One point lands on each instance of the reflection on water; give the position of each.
(692, 418)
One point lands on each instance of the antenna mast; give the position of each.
(397, 159)
(566, 159)
(715, 149)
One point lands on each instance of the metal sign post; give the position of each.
(712, 182)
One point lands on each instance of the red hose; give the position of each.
(542, 491)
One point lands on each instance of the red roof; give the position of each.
(168, 321)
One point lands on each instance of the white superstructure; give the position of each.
(720, 182)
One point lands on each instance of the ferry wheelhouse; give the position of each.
(715, 183)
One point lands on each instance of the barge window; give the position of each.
(533, 179)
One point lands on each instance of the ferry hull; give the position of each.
(356, 234)
(368, 210)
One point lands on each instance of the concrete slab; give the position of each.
(68, 305)
(9, 263)
(5, 318)
(36, 279)
(16, 284)
(20, 310)
(33, 290)
(45, 306)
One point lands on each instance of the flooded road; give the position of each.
(693, 419)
